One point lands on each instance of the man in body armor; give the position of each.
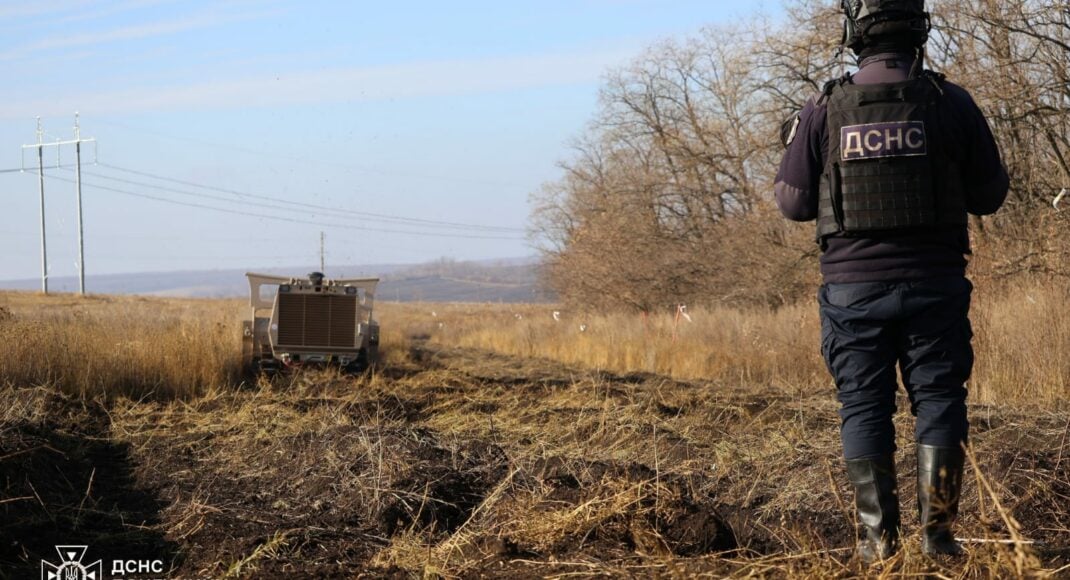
(889, 161)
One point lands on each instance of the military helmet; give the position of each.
(871, 21)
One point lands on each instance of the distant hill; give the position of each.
(511, 281)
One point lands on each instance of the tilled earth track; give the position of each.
(464, 463)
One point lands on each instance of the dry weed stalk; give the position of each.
(1023, 558)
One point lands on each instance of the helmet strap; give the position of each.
(841, 51)
(919, 63)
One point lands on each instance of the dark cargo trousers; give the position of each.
(923, 326)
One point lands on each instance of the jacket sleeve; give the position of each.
(984, 176)
(796, 186)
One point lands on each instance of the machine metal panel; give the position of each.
(317, 320)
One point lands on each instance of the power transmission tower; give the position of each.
(40, 146)
(323, 253)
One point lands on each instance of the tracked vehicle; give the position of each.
(313, 320)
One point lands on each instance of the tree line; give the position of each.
(666, 197)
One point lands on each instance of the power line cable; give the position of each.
(303, 204)
(148, 238)
(286, 219)
(169, 257)
(400, 220)
(33, 170)
(260, 205)
(357, 167)
(193, 194)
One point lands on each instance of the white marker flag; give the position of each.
(682, 311)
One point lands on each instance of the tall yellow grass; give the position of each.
(127, 345)
(157, 347)
(138, 347)
(729, 345)
(1022, 343)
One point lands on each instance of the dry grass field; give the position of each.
(494, 441)
(1022, 337)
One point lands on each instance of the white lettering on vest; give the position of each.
(893, 141)
(871, 145)
(853, 145)
(915, 138)
(879, 140)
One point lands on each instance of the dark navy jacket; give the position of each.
(899, 256)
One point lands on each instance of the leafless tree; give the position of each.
(667, 197)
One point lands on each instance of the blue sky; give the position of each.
(437, 111)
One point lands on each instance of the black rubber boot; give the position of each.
(878, 506)
(939, 484)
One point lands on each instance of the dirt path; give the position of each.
(465, 463)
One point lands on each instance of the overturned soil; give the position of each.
(459, 463)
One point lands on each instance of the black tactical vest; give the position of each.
(888, 169)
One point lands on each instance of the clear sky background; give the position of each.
(438, 111)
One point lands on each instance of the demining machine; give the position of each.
(310, 320)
